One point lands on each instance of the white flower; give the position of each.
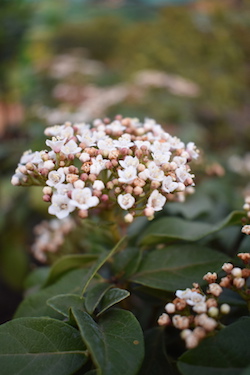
(192, 150)
(48, 164)
(179, 160)
(156, 201)
(87, 138)
(176, 143)
(129, 161)
(64, 188)
(116, 127)
(139, 144)
(106, 144)
(84, 157)
(125, 201)
(160, 157)
(98, 185)
(124, 141)
(56, 143)
(200, 307)
(70, 148)
(83, 199)
(168, 185)
(60, 206)
(98, 164)
(162, 147)
(192, 298)
(54, 131)
(153, 172)
(127, 175)
(182, 174)
(56, 177)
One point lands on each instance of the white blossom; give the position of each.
(156, 201)
(129, 161)
(98, 164)
(56, 143)
(168, 185)
(125, 201)
(70, 148)
(60, 206)
(127, 175)
(56, 177)
(83, 199)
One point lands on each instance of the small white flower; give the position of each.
(87, 138)
(48, 164)
(179, 160)
(60, 206)
(106, 144)
(153, 172)
(200, 307)
(160, 157)
(156, 200)
(168, 185)
(56, 143)
(70, 148)
(124, 141)
(98, 185)
(192, 150)
(98, 164)
(127, 175)
(129, 161)
(84, 157)
(64, 188)
(56, 177)
(139, 144)
(192, 298)
(125, 201)
(162, 147)
(182, 174)
(116, 127)
(83, 199)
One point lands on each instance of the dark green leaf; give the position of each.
(98, 264)
(67, 263)
(63, 302)
(40, 346)
(94, 296)
(175, 228)
(226, 353)
(127, 261)
(177, 266)
(35, 305)
(113, 296)
(115, 343)
(37, 277)
(156, 361)
(194, 206)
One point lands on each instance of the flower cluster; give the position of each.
(196, 313)
(50, 235)
(125, 163)
(246, 207)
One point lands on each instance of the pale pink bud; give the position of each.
(239, 282)
(170, 308)
(236, 272)
(47, 190)
(227, 267)
(246, 229)
(215, 289)
(79, 184)
(164, 320)
(128, 218)
(225, 308)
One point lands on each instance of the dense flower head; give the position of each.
(135, 166)
(196, 312)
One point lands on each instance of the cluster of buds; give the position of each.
(50, 236)
(246, 207)
(196, 313)
(124, 163)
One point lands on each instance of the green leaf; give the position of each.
(63, 302)
(98, 264)
(113, 296)
(67, 263)
(195, 205)
(175, 228)
(177, 266)
(226, 353)
(36, 278)
(127, 261)
(156, 361)
(35, 304)
(40, 346)
(115, 343)
(94, 296)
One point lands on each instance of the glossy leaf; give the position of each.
(63, 302)
(175, 228)
(35, 305)
(98, 264)
(40, 346)
(94, 296)
(127, 261)
(111, 297)
(67, 263)
(115, 343)
(156, 360)
(228, 352)
(177, 266)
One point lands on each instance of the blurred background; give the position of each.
(184, 63)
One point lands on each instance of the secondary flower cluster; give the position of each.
(246, 207)
(136, 166)
(197, 313)
(50, 235)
